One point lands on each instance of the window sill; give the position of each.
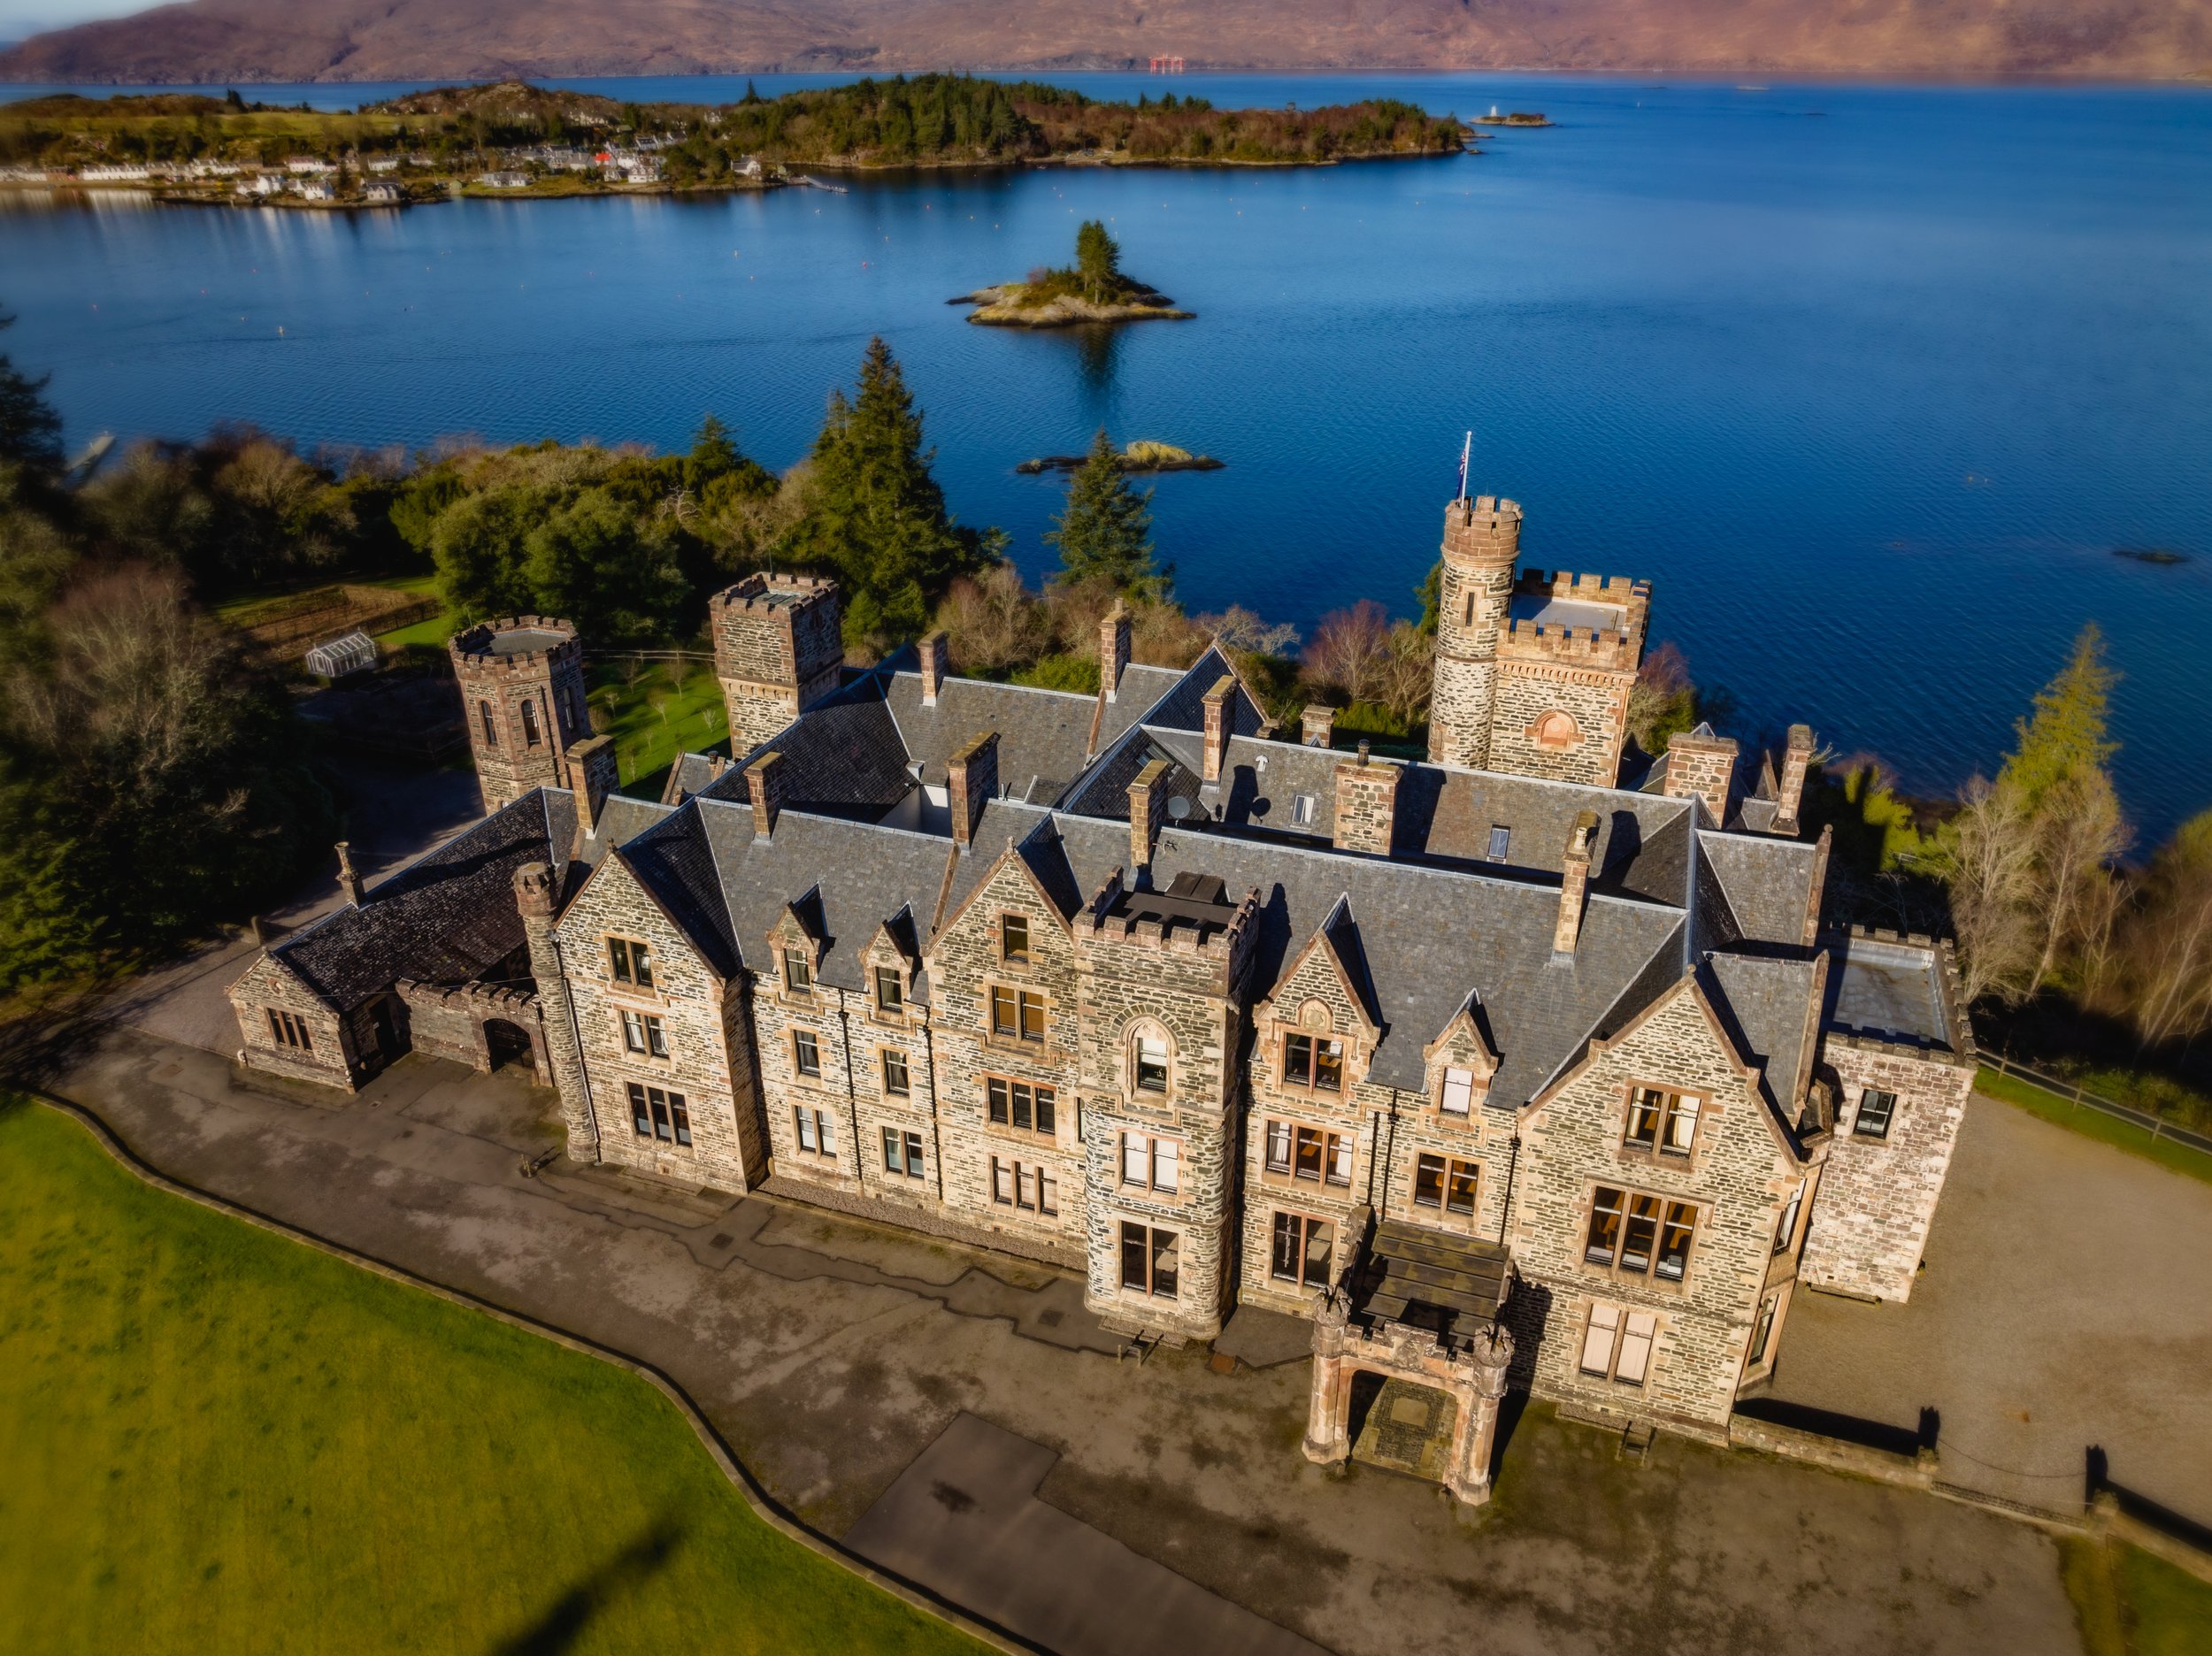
(1627, 1281)
(1274, 1180)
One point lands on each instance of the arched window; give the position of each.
(491, 727)
(1555, 731)
(530, 724)
(1150, 1051)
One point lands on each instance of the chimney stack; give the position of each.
(763, 780)
(1148, 804)
(1113, 648)
(592, 776)
(970, 780)
(936, 656)
(1574, 885)
(1318, 727)
(349, 885)
(1366, 805)
(1701, 765)
(1797, 758)
(1216, 756)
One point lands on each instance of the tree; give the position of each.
(1989, 863)
(1097, 261)
(30, 430)
(1350, 651)
(1102, 534)
(2165, 950)
(479, 542)
(875, 517)
(2065, 736)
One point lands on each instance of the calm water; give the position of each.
(1870, 382)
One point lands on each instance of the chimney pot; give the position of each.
(970, 781)
(763, 780)
(1574, 885)
(936, 656)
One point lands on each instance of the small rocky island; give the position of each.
(1140, 456)
(1094, 289)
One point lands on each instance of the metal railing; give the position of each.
(2082, 1098)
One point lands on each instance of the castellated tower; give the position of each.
(777, 649)
(1482, 541)
(522, 687)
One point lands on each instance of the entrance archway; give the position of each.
(1403, 1426)
(504, 1042)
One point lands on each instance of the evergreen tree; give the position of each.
(875, 518)
(1102, 535)
(2064, 740)
(1097, 260)
(30, 431)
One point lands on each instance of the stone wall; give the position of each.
(446, 1021)
(1740, 1176)
(335, 1053)
(1526, 736)
(777, 650)
(495, 689)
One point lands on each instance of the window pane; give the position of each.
(1279, 1147)
(1874, 1110)
(1021, 1104)
(895, 1080)
(1597, 1343)
(829, 1132)
(1166, 1255)
(1674, 1240)
(1459, 1192)
(1289, 1249)
(640, 966)
(1459, 1090)
(1298, 1060)
(1762, 1332)
(1329, 1066)
(1681, 1126)
(491, 730)
(1163, 1164)
(1636, 1347)
(1151, 1064)
(797, 974)
(1499, 840)
(1044, 1110)
(1641, 1231)
(805, 1119)
(1002, 1012)
(890, 992)
(809, 1055)
(1135, 1165)
(1605, 1228)
(1309, 1148)
(530, 724)
(1787, 1227)
(1014, 929)
(1340, 1159)
(892, 1162)
(997, 1089)
(656, 1037)
(618, 959)
(660, 1113)
(1132, 1255)
(1001, 1182)
(1048, 1191)
(681, 1117)
(276, 1029)
(1033, 1017)
(1644, 1108)
(1025, 1186)
(1428, 1181)
(641, 1118)
(913, 1155)
(1320, 1238)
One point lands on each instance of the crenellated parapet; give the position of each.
(778, 648)
(522, 688)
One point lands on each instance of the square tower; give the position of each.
(778, 650)
(522, 688)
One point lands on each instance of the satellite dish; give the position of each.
(1178, 808)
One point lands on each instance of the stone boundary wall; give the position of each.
(1836, 1454)
(764, 1506)
(446, 1020)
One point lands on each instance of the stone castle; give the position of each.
(1527, 1066)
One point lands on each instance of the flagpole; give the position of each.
(1466, 453)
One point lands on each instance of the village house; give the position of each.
(1528, 1064)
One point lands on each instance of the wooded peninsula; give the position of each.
(509, 138)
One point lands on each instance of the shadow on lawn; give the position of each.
(564, 1621)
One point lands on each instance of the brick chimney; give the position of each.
(1574, 885)
(1217, 756)
(1317, 729)
(1366, 805)
(1701, 765)
(592, 776)
(349, 885)
(1113, 648)
(763, 780)
(1797, 758)
(1148, 804)
(970, 781)
(936, 657)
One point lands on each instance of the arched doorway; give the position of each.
(504, 1042)
(1405, 1427)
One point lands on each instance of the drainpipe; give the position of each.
(936, 1145)
(576, 1031)
(1505, 1211)
(852, 1098)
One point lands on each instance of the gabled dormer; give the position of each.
(1317, 1031)
(795, 943)
(891, 968)
(1460, 1064)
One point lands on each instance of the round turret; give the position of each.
(1482, 541)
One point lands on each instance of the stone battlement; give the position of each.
(766, 594)
(478, 645)
(1571, 645)
(1609, 589)
(494, 999)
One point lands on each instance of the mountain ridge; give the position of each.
(251, 41)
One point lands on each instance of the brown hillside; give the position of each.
(245, 41)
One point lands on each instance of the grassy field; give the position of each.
(435, 631)
(2094, 1124)
(217, 1440)
(655, 710)
(2131, 1604)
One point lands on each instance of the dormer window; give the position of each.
(798, 972)
(1313, 1060)
(1661, 1121)
(632, 963)
(1013, 939)
(1151, 1064)
(890, 989)
(1459, 1090)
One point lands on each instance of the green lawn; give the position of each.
(217, 1440)
(2092, 1124)
(654, 711)
(2129, 1603)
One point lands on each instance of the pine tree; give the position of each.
(875, 518)
(30, 431)
(1102, 535)
(1097, 261)
(2064, 740)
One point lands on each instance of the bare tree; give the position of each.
(1350, 649)
(992, 621)
(2078, 836)
(2166, 947)
(1408, 673)
(1240, 629)
(1990, 867)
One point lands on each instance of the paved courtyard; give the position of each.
(833, 1355)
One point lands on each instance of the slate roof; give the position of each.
(1043, 735)
(692, 773)
(844, 758)
(1768, 882)
(444, 917)
(1103, 790)
(1184, 708)
(1768, 1004)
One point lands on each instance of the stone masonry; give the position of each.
(522, 684)
(777, 650)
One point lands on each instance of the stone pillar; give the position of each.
(1797, 758)
(533, 899)
(1475, 1438)
(350, 886)
(1217, 734)
(1327, 1440)
(936, 660)
(1113, 649)
(1574, 885)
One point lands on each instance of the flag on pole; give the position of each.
(1466, 453)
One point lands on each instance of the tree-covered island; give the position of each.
(512, 139)
(1093, 289)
